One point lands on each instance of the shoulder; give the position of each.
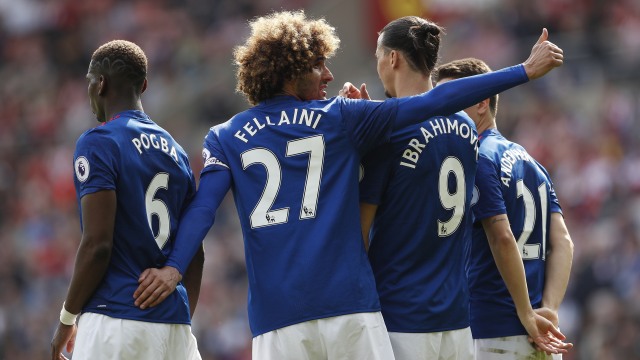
(97, 136)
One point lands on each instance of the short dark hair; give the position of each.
(417, 38)
(466, 67)
(121, 60)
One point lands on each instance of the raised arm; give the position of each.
(459, 94)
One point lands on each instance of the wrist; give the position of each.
(66, 317)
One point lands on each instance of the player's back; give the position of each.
(528, 198)
(420, 236)
(150, 174)
(294, 166)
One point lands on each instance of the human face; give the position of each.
(94, 82)
(313, 85)
(383, 66)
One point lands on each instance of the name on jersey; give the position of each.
(290, 117)
(153, 141)
(437, 126)
(508, 159)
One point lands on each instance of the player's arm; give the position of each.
(558, 268)
(507, 258)
(157, 284)
(459, 94)
(92, 260)
(193, 279)
(367, 214)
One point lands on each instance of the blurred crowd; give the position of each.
(582, 122)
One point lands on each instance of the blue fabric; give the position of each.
(504, 166)
(419, 246)
(150, 174)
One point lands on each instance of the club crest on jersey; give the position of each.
(81, 166)
(211, 160)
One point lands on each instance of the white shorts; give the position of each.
(101, 337)
(353, 336)
(443, 345)
(508, 348)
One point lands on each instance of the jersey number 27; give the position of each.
(263, 214)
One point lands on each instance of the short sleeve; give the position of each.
(490, 201)
(95, 164)
(212, 153)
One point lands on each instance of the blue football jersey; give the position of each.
(150, 173)
(294, 166)
(421, 233)
(509, 181)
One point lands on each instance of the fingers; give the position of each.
(154, 298)
(144, 275)
(556, 332)
(363, 92)
(346, 89)
(145, 281)
(72, 342)
(543, 37)
(144, 295)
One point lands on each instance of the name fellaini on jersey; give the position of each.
(289, 117)
(508, 160)
(148, 141)
(437, 126)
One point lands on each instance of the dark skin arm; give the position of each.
(92, 260)
(193, 279)
(367, 214)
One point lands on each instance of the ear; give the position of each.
(144, 85)
(483, 107)
(102, 85)
(394, 58)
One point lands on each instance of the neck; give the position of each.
(409, 83)
(486, 123)
(118, 106)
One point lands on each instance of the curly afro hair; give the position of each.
(282, 46)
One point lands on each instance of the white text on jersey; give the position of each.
(289, 117)
(412, 153)
(509, 158)
(146, 142)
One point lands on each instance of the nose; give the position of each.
(327, 75)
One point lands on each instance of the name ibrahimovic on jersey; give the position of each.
(306, 117)
(438, 126)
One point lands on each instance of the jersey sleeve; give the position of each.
(376, 167)
(198, 218)
(368, 123)
(457, 95)
(554, 204)
(94, 163)
(490, 201)
(212, 153)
